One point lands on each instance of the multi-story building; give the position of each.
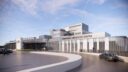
(96, 42)
(76, 38)
(78, 29)
(85, 41)
(57, 33)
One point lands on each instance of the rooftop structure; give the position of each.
(78, 29)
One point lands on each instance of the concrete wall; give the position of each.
(72, 62)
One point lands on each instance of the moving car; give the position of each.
(109, 57)
(5, 51)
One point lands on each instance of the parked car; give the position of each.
(109, 57)
(5, 51)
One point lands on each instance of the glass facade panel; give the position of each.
(101, 46)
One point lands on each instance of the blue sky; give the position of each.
(28, 18)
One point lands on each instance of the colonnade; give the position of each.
(78, 45)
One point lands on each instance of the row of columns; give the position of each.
(87, 45)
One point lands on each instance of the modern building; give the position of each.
(10, 45)
(76, 38)
(57, 33)
(78, 29)
(84, 41)
(98, 42)
(32, 43)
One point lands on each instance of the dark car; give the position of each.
(109, 57)
(5, 51)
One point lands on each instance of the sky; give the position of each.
(31, 18)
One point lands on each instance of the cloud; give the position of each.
(99, 2)
(29, 6)
(120, 5)
(53, 6)
(107, 22)
(2, 2)
(49, 6)
(101, 21)
(81, 12)
(110, 20)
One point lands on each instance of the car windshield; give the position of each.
(110, 54)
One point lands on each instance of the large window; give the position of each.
(68, 46)
(101, 46)
(72, 46)
(113, 46)
(75, 45)
(65, 46)
(81, 46)
(94, 46)
(87, 46)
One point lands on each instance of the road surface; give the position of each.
(24, 60)
(92, 63)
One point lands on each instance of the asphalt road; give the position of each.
(94, 64)
(24, 60)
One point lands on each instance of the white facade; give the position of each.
(91, 42)
(100, 44)
(56, 33)
(82, 40)
(78, 29)
(19, 43)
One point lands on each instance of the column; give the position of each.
(97, 45)
(85, 45)
(125, 44)
(78, 45)
(62, 46)
(70, 46)
(74, 46)
(67, 46)
(106, 44)
(59, 46)
(90, 45)
(19, 44)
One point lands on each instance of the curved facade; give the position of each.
(94, 44)
(77, 38)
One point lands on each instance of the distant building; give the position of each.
(1, 46)
(10, 45)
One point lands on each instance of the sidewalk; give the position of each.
(95, 54)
